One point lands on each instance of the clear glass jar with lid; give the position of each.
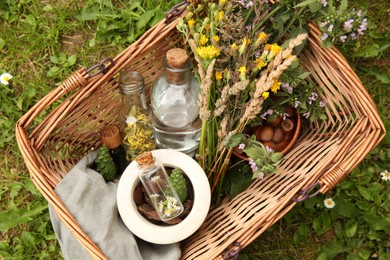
(174, 97)
(135, 123)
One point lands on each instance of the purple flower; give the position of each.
(241, 146)
(322, 103)
(248, 27)
(324, 36)
(287, 87)
(297, 104)
(353, 36)
(330, 28)
(359, 13)
(306, 115)
(324, 2)
(363, 26)
(312, 98)
(265, 114)
(261, 175)
(343, 38)
(269, 149)
(253, 165)
(348, 25)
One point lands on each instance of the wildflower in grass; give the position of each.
(343, 38)
(324, 3)
(253, 165)
(330, 28)
(306, 115)
(234, 46)
(322, 103)
(362, 27)
(385, 175)
(216, 39)
(348, 25)
(266, 113)
(287, 87)
(4, 78)
(222, 1)
(285, 115)
(274, 50)
(329, 203)
(297, 103)
(241, 146)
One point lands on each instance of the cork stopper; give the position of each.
(177, 58)
(110, 136)
(144, 159)
(176, 61)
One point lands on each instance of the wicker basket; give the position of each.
(325, 153)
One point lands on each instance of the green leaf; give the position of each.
(144, 19)
(71, 60)
(234, 140)
(2, 43)
(89, 13)
(253, 152)
(343, 6)
(305, 3)
(350, 228)
(366, 194)
(369, 51)
(381, 76)
(15, 216)
(304, 75)
(275, 157)
(54, 71)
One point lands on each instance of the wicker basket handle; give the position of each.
(331, 179)
(176, 11)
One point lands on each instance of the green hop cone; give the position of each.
(179, 183)
(104, 164)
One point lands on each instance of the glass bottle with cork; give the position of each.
(156, 182)
(135, 123)
(110, 136)
(175, 113)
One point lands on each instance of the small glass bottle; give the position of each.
(158, 187)
(134, 115)
(174, 97)
(110, 136)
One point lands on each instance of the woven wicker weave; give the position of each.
(325, 153)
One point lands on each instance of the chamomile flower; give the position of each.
(385, 175)
(4, 78)
(329, 203)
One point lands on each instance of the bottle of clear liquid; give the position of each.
(175, 113)
(135, 123)
(156, 182)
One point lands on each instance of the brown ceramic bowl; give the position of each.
(297, 128)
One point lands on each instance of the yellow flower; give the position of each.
(203, 39)
(234, 46)
(208, 52)
(265, 94)
(207, 27)
(191, 23)
(260, 63)
(220, 15)
(245, 42)
(242, 71)
(216, 38)
(276, 86)
(275, 48)
(261, 36)
(222, 1)
(267, 47)
(218, 75)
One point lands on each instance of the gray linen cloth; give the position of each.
(92, 202)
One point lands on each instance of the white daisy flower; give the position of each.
(155, 178)
(4, 78)
(329, 203)
(385, 175)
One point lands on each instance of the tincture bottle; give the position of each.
(155, 180)
(175, 113)
(110, 136)
(134, 117)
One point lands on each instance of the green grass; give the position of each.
(42, 42)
